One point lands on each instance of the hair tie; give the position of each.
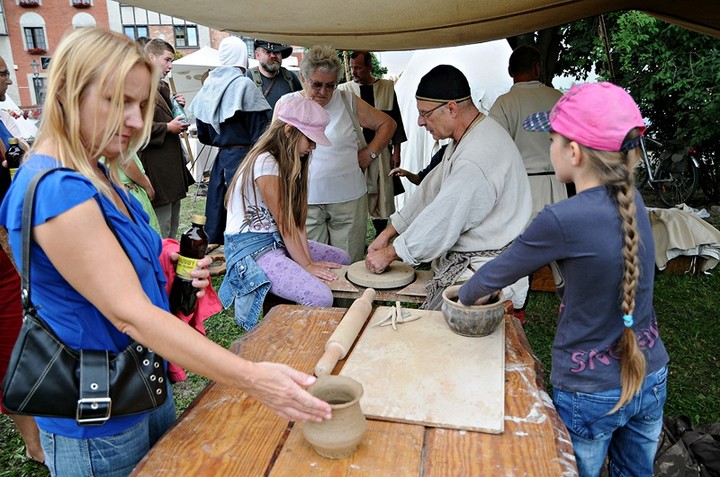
(628, 320)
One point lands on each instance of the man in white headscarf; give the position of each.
(231, 114)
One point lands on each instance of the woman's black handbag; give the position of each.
(47, 378)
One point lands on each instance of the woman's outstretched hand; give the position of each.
(280, 388)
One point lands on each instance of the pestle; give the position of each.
(344, 335)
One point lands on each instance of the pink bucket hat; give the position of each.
(306, 115)
(596, 115)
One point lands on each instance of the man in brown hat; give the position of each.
(471, 206)
(270, 76)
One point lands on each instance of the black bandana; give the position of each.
(443, 83)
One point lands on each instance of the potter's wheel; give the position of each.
(397, 274)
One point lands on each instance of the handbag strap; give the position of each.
(353, 116)
(27, 215)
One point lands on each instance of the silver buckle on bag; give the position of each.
(97, 402)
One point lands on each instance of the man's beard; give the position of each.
(271, 67)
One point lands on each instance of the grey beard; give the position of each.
(271, 67)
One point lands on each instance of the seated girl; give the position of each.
(266, 246)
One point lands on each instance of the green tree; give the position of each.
(378, 70)
(673, 73)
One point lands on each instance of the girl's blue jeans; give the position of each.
(629, 436)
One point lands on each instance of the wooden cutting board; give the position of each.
(424, 373)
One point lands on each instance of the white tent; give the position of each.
(378, 25)
(189, 71)
(485, 66)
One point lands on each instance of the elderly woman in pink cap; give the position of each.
(266, 245)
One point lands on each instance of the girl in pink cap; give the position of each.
(266, 246)
(609, 365)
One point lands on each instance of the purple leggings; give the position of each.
(291, 281)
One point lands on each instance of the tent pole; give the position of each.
(606, 44)
(184, 134)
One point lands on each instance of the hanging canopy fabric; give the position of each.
(381, 25)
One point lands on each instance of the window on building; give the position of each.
(186, 36)
(35, 38)
(136, 31)
(83, 20)
(3, 23)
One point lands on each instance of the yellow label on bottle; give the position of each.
(13, 170)
(185, 265)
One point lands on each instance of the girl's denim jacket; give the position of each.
(245, 283)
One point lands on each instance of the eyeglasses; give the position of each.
(426, 114)
(5, 73)
(317, 86)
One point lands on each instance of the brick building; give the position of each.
(30, 30)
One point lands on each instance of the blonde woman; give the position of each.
(93, 294)
(266, 246)
(609, 365)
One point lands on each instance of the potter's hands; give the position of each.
(378, 260)
(280, 388)
(200, 274)
(321, 270)
(380, 242)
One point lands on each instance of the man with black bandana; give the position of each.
(471, 206)
(270, 76)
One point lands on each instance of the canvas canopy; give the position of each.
(381, 25)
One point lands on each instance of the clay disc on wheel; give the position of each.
(397, 274)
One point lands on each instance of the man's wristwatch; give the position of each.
(373, 155)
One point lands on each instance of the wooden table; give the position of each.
(226, 433)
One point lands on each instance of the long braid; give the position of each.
(615, 169)
(632, 371)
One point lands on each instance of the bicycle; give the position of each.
(673, 172)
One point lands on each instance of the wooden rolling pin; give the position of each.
(344, 335)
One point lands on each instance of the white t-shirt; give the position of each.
(252, 215)
(335, 175)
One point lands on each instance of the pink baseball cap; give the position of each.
(306, 115)
(596, 115)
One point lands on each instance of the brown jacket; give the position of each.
(163, 157)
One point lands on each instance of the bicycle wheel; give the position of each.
(676, 181)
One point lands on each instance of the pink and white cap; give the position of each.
(596, 115)
(306, 115)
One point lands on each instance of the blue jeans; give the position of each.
(629, 436)
(111, 456)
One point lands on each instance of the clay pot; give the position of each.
(473, 320)
(338, 437)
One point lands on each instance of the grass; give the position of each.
(687, 309)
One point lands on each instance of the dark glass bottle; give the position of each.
(14, 155)
(193, 246)
(178, 111)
